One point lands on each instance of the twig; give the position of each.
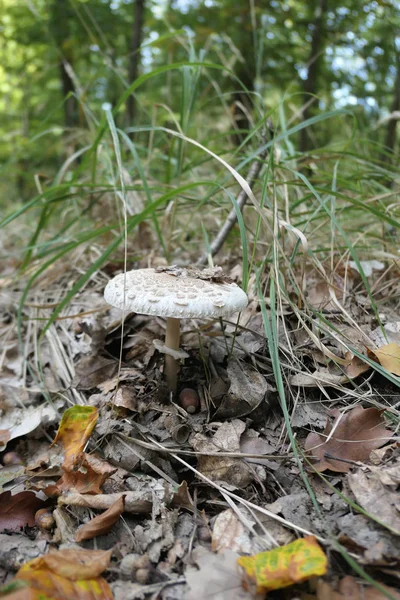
(231, 219)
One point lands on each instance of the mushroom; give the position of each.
(176, 294)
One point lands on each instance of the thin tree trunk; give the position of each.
(390, 137)
(61, 33)
(134, 61)
(315, 62)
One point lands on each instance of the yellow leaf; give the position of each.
(389, 357)
(284, 566)
(76, 426)
(64, 575)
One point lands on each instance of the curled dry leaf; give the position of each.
(66, 574)
(354, 435)
(134, 502)
(388, 356)
(87, 477)
(76, 426)
(103, 523)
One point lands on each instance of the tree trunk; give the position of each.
(134, 60)
(310, 86)
(390, 137)
(61, 33)
(243, 102)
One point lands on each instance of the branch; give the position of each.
(232, 218)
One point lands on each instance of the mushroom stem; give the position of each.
(172, 336)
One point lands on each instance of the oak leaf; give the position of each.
(66, 574)
(19, 510)
(101, 524)
(352, 437)
(388, 356)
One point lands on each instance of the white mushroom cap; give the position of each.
(149, 292)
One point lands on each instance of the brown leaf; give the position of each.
(349, 589)
(66, 574)
(102, 523)
(388, 356)
(355, 435)
(76, 563)
(93, 370)
(356, 366)
(19, 510)
(133, 502)
(87, 477)
(5, 436)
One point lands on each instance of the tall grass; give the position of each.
(307, 213)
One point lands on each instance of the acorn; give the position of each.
(189, 400)
(44, 519)
(12, 458)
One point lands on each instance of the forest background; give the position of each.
(64, 62)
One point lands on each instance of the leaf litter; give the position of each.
(176, 498)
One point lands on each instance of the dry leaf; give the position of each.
(322, 376)
(87, 476)
(350, 589)
(356, 366)
(217, 578)
(67, 574)
(19, 510)
(20, 421)
(355, 435)
(388, 356)
(92, 370)
(134, 502)
(284, 566)
(101, 524)
(229, 533)
(76, 426)
(376, 498)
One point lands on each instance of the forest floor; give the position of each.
(177, 496)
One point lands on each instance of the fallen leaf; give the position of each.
(350, 589)
(356, 366)
(376, 499)
(72, 563)
(229, 533)
(217, 578)
(20, 421)
(87, 476)
(135, 502)
(390, 333)
(5, 436)
(182, 497)
(355, 434)
(76, 426)
(322, 376)
(19, 510)
(101, 524)
(284, 566)
(388, 356)
(10, 473)
(93, 370)
(64, 575)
